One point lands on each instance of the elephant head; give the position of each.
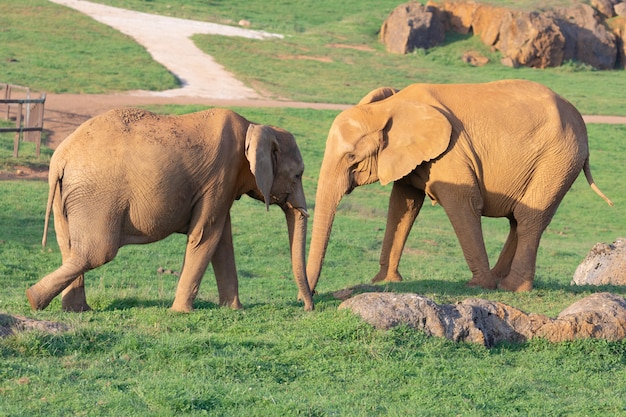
(381, 139)
(277, 165)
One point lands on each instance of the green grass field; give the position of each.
(131, 356)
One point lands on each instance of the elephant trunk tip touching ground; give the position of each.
(130, 176)
(508, 149)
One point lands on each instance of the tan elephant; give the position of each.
(502, 149)
(130, 176)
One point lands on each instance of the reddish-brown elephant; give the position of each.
(131, 176)
(502, 149)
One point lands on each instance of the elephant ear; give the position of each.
(414, 133)
(261, 143)
(380, 93)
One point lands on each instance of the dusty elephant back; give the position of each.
(139, 125)
(150, 139)
(139, 159)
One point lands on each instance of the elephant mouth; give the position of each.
(286, 205)
(302, 210)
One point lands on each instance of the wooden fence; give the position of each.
(16, 104)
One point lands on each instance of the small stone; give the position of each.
(605, 264)
(474, 58)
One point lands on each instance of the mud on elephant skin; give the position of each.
(130, 176)
(503, 149)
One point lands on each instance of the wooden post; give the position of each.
(18, 126)
(38, 117)
(7, 96)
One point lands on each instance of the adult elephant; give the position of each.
(131, 176)
(501, 149)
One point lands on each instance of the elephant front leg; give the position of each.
(73, 297)
(405, 203)
(503, 266)
(225, 269)
(202, 242)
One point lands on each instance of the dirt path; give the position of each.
(168, 41)
(65, 112)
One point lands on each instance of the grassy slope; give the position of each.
(47, 47)
(132, 356)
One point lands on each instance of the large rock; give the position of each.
(604, 7)
(459, 15)
(534, 39)
(604, 265)
(410, 26)
(531, 39)
(490, 322)
(618, 27)
(488, 21)
(587, 39)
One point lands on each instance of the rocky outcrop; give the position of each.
(587, 39)
(600, 316)
(411, 26)
(618, 27)
(530, 39)
(604, 265)
(534, 39)
(10, 324)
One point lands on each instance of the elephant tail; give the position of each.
(593, 185)
(53, 186)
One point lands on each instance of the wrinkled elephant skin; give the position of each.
(130, 177)
(502, 149)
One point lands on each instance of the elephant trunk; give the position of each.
(329, 193)
(297, 225)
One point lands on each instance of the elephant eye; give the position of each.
(350, 157)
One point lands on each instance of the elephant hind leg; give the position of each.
(531, 224)
(73, 297)
(503, 266)
(69, 277)
(522, 272)
(40, 294)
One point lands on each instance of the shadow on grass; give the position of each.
(457, 289)
(136, 302)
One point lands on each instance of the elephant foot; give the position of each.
(514, 284)
(75, 307)
(308, 302)
(35, 298)
(235, 304)
(387, 277)
(75, 301)
(486, 283)
(181, 307)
